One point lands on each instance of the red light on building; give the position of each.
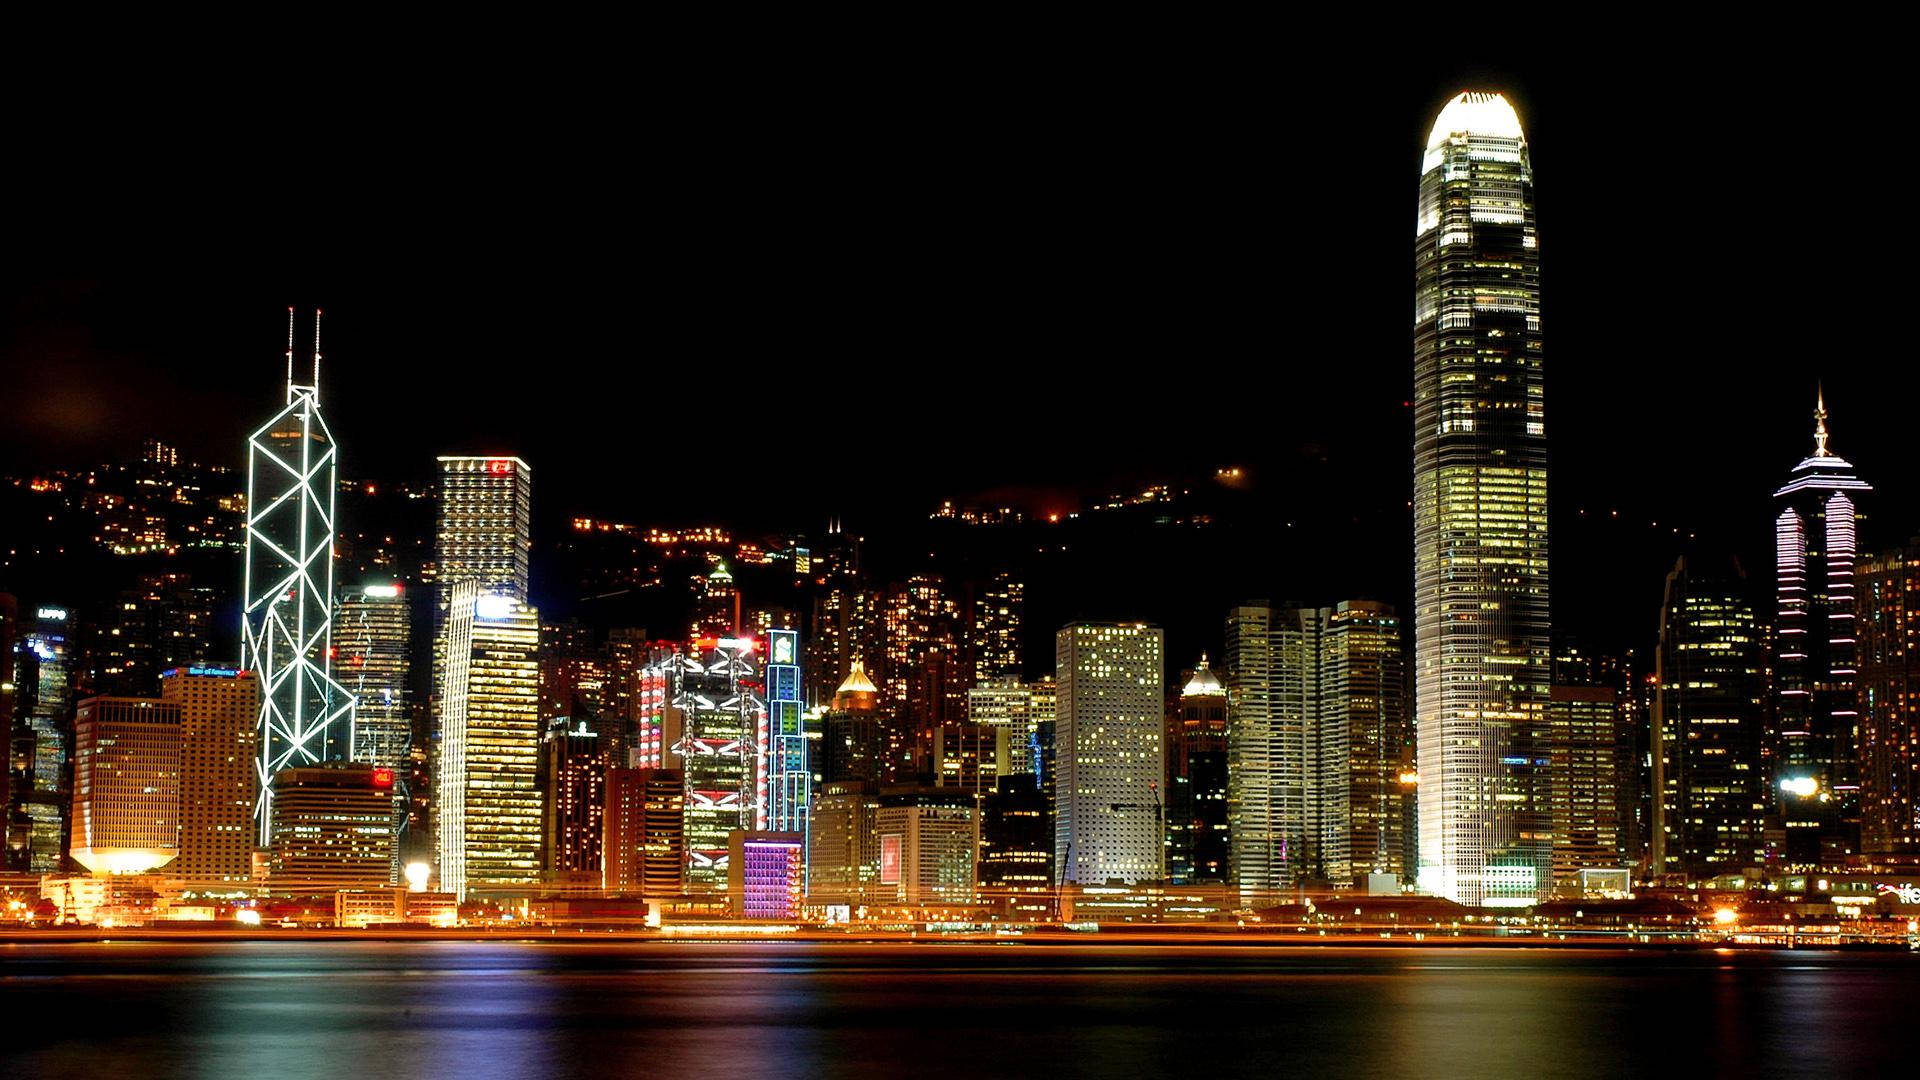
(499, 466)
(383, 778)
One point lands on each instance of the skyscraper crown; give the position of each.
(1475, 112)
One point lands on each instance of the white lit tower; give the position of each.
(286, 628)
(1482, 648)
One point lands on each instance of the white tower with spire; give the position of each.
(286, 629)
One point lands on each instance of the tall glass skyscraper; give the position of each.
(1817, 780)
(1481, 650)
(286, 629)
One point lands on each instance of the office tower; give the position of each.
(44, 678)
(1317, 711)
(1888, 605)
(164, 621)
(788, 777)
(578, 761)
(1481, 649)
(1710, 791)
(126, 784)
(843, 845)
(1016, 846)
(923, 676)
(373, 632)
(1110, 750)
(766, 873)
(332, 827)
(626, 655)
(1256, 823)
(577, 679)
(486, 673)
(718, 713)
(1197, 827)
(1004, 705)
(1584, 719)
(716, 606)
(999, 607)
(374, 635)
(218, 708)
(645, 847)
(1363, 710)
(286, 632)
(1816, 710)
(485, 532)
(501, 799)
(851, 746)
(928, 841)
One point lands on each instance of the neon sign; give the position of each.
(383, 778)
(1902, 894)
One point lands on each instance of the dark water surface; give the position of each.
(346, 1010)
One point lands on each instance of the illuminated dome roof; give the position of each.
(1476, 113)
(1203, 682)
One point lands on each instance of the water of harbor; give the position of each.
(349, 1010)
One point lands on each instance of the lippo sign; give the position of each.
(1902, 894)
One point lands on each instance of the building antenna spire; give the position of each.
(316, 353)
(289, 353)
(1820, 421)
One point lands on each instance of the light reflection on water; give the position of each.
(346, 1010)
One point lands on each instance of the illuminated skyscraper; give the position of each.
(1889, 694)
(1586, 721)
(999, 607)
(578, 761)
(1317, 710)
(332, 827)
(1197, 830)
(374, 637)
(218, 707)
(1709, 792)
(1110, 748)
(717, 712)
(126, 784)
(286, 629)
(1481, 648)
(851, 742)
(789, 780)
(1816, 712)
(501, 799)
(44, 677)
(488, 808)
(485, 532)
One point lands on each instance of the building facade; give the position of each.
(1888, 607)
(1110, 752)
(126, 784)
(1816, 782)
(332, 827)
(218, 708)
(1709, 784)
(1481, 632)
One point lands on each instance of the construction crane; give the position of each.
(1159, 822)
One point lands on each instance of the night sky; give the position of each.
(763, 305)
